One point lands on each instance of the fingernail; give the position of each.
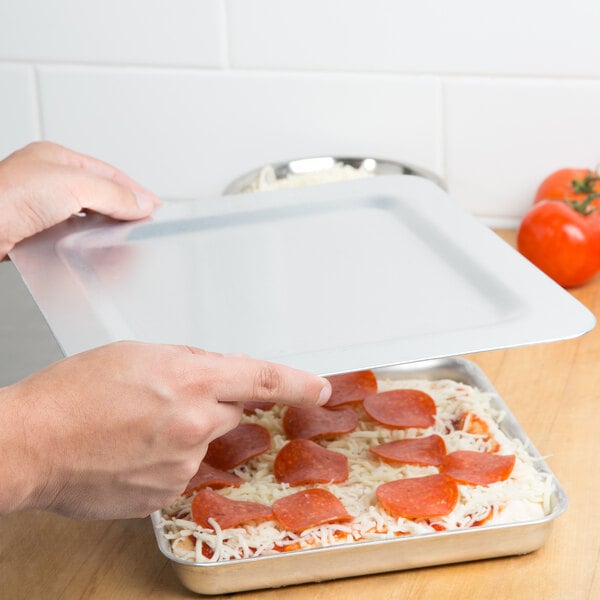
(325, 392)
(146, 203)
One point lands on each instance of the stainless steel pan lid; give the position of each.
(333, 278)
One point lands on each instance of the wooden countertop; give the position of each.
(552, 389)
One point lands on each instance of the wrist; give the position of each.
(17, 463)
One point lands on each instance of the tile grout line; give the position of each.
(442, 146)
(37, 103)
(225, 36)
(169, 67)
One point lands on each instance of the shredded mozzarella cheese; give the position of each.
(525, 495)
(266, 179)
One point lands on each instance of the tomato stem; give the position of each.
(583, 207)
(585, 185)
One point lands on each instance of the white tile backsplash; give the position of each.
(186, 95)
(188, 134)
(505, 136)
(18, 116)
(512, 37)
(153, 32)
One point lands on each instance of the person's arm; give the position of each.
(17, 480)
(119, 431)
(44, 184)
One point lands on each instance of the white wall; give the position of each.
(185, 95)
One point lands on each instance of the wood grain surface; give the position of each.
(552, 389)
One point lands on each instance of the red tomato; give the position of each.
(561, 241)
(569, 184)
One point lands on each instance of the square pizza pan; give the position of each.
(332, 278)
(399, 553)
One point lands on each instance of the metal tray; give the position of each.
(351, 275)
(408, 552)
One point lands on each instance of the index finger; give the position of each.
(104, 170)
(244, 379)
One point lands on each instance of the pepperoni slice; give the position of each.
(207, 476)
(302, 461)
(348, 388)
(237, 446)
(419, 497)
(400, 409)
(477, 468)
(317, 422)
(251, 406)
(424, 451)
(309, 508)
(227, 513)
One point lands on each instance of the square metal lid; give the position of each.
(328, 278)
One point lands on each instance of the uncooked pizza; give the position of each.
(383, 458)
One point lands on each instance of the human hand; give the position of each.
(44, 184)
(118, 431)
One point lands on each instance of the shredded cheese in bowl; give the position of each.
(465, 419)
(267, 180)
